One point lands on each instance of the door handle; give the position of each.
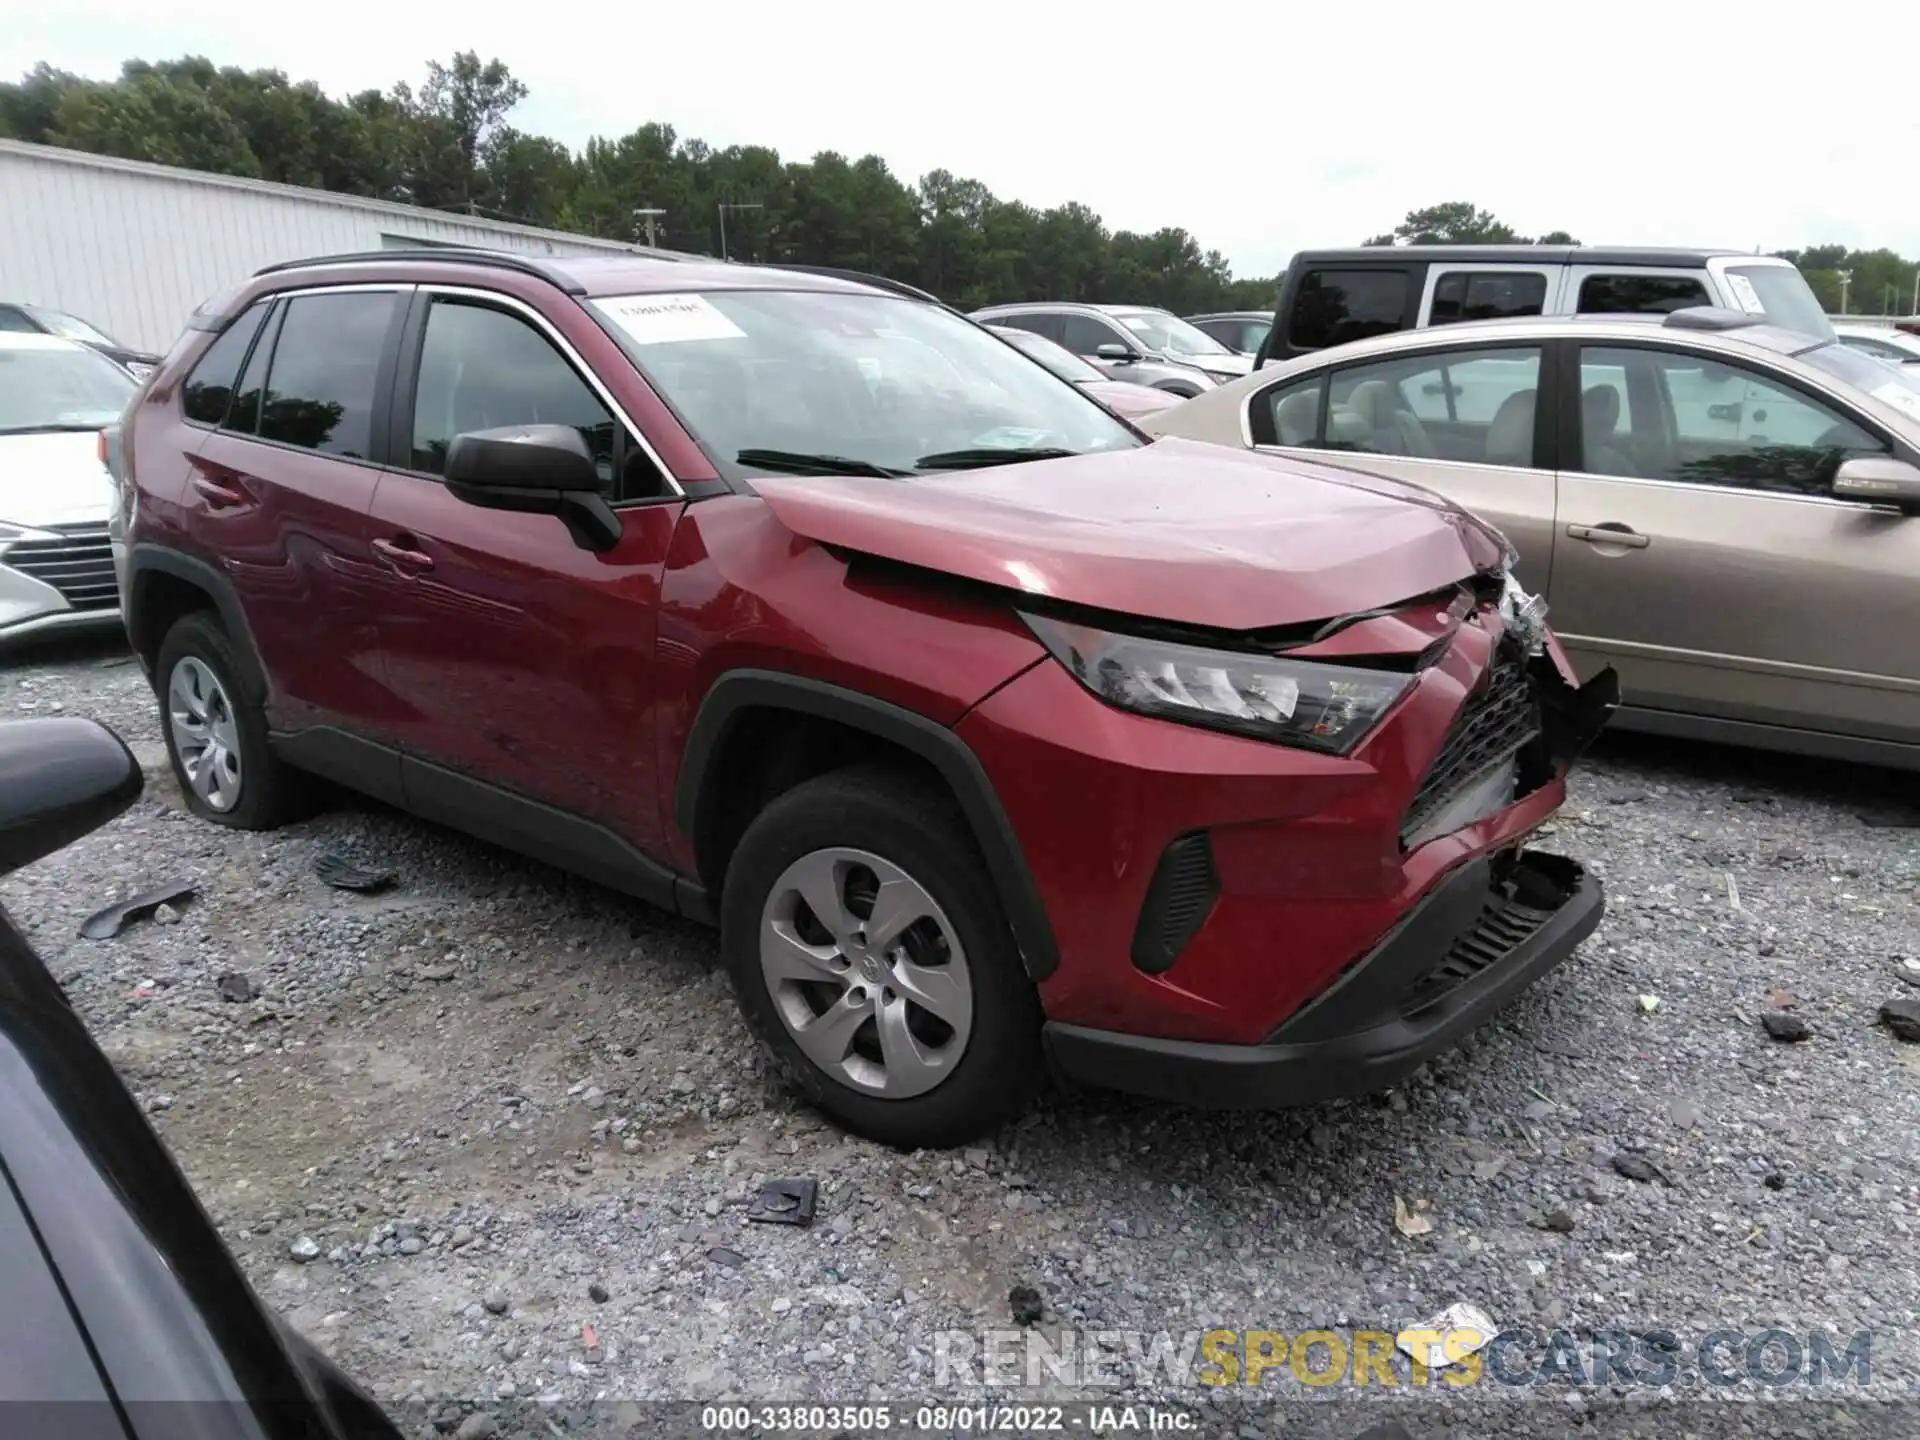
(217, 495)
(403, 556)
(1610, 533)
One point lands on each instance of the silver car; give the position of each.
(56, 565)
(1136, 343)
(1241, 331)
(1725, 511)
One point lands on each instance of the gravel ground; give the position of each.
(489, 1137)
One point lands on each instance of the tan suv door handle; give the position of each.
(1610, 534)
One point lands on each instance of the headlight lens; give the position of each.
(1294, 702)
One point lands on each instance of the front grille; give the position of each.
(1497, 724)
(1180, 896)
(1502, 926)
(79, 564)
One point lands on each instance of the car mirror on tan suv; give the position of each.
(535, 470)
(1879, 480)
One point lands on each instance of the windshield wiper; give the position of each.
(977, 458)
(793, 462)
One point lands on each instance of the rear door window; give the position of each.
(1333, 307)
(1486, 295)
(321, 387)
(1289, 414)
(1047, 325)
(209, 388)
(1640, 294)
(1476, 406)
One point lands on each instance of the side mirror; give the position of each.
(59, 779)
(1116, 354)
(534, 470)
(1879, 480)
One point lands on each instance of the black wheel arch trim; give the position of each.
(147, 558)
(746, 689)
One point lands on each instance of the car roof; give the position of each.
(1675, 258)
(1720, 330)
(1233, 315)
(35, 340)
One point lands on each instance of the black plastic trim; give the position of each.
(1353, 1040)
(492, 813)
(740, 690)
(147, 558)
(1169, 917)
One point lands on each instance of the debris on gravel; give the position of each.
(1024, 1305)
(1902, 1017)
(1784, 1025)
(235, 988)
(400, 1159)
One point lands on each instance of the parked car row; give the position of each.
(17, 318)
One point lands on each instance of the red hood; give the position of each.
(1177, 530)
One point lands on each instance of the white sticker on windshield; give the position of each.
(665, 319)
(1900, 397)
(1744, 295)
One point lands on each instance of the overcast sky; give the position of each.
(1259, 126)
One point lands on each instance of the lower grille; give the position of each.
(1505, 923)
(1497, 724)
(79, 564)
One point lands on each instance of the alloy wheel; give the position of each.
(866, 972)
(206, 738)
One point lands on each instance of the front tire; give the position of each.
(869, 952)
(216, 739)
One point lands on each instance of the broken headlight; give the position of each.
(1267, 697)
(1525, 615)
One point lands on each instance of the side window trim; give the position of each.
(399, 427)
(262, 348)
(1826, 400)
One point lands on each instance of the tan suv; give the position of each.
(1726, 512)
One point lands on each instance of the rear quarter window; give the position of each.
(1334, 307)
(1640, 294)
(209, 388)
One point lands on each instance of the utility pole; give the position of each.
(1846, 279)
(725, 206)
(645, 217)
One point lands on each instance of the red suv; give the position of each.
(989, 733)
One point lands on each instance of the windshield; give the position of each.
(852, 380)
(60, 389)
(1057, 358)
(1169, 334)
(69, 327)
(1782, 294)
(1893, 386)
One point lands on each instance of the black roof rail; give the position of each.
(453, 255)
(1711, 317)
(861, 277)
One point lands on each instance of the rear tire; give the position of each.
(216, 738)
(836, 998)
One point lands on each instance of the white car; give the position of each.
(1883, 342)
(56, 565)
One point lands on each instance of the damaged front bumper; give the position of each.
(1484, 933)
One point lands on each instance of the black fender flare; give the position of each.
(147, 559)
(740, 690)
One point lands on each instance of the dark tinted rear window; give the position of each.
(1333, 307)
(1484, 295)
(208, 389)
(320, 392)
(1639, 294)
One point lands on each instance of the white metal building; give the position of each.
(132, 248)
